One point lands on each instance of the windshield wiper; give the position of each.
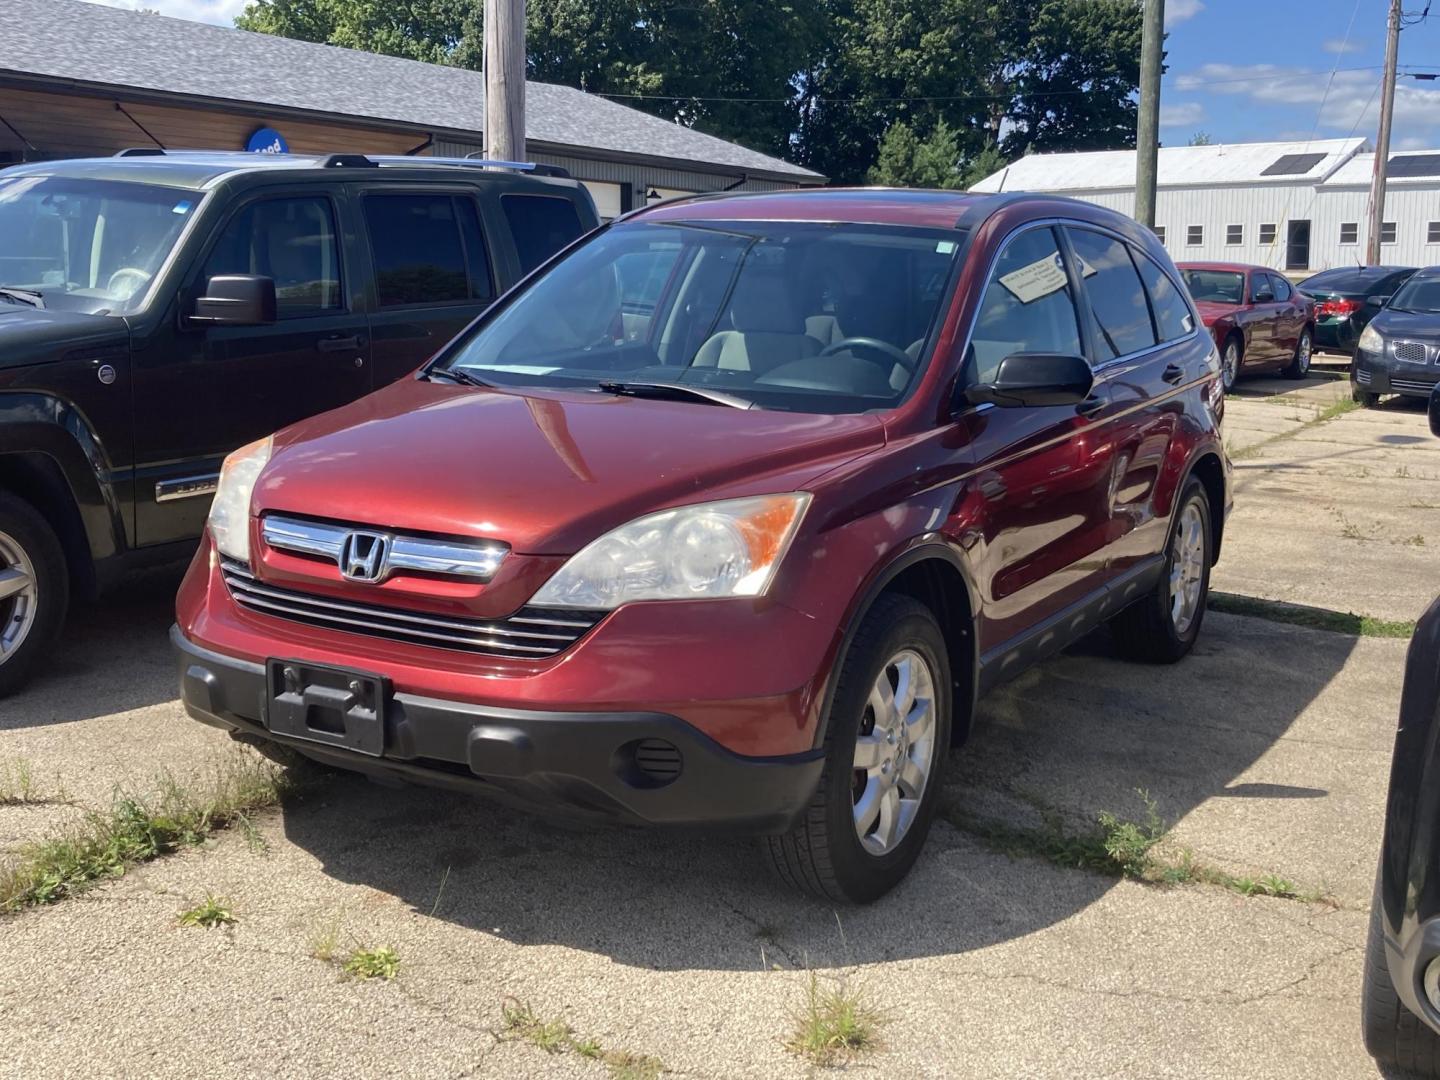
(22, 296)
(459, 375)
(673, 391)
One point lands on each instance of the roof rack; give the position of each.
(141, 151)
(359, 161)
(348, 161)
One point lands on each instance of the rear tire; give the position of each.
(1230, 363)
(825, 854)
(1392, 1033)
(1300, 362)
(34, 590)
(1161, 627)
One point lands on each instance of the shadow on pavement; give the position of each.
(1077, 735)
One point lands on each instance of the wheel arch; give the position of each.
(38, 479)
(1210, 471)
(933, 574)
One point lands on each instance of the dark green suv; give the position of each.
(157, 310)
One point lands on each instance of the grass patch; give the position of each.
(209, 913)
(557, 1037)
(380, 962)
(136, 829)
(1122, 848)
(1330, 412)
(17, 783)
(833, 1023)
(325, 938)
(1315, 618)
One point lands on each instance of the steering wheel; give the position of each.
(141, 278)
(867, 347)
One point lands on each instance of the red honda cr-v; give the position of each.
(728, 515)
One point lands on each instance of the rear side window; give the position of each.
(1341, 280)
(1113, 290)
(1028, 306)
(1172, 314)
(541, 225)
(427, 249)
(291, 240)
(1281, 287)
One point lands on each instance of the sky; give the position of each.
(1237, 70)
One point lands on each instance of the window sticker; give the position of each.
(1041, 278)
(181, 207)
(944, 247)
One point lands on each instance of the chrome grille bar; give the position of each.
(526, 634)
(326, 540)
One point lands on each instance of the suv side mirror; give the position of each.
(1434, 410)
(236, 300)
(1031, 379)
(1264, 296)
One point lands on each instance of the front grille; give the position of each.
(1412, 386)
(1412, 352)
(531, 633)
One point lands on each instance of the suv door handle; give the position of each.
(1173, 373)
(339, 344)
(1091, 405)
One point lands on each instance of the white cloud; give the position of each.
(1340, 46)
(1182, 114)
(1177, 11)
(220, 12)
(1413, 142)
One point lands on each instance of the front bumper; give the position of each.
(1379, 375)
(587, 765)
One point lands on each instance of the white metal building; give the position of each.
(1297, 206)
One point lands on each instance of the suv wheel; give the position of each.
(1393, 1034)
(34, 590)
(1300, 363)
(889, 734)
(1161, 627)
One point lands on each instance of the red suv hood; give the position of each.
(545, 472)
(1212, 311)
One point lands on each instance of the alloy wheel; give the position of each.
(1302, 353)
(894, 752)
(1230, 364)
(1187, 567)
(19, 596)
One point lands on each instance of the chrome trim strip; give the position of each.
(186, 487)
(327, 541)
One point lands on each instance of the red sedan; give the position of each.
(1258, 319)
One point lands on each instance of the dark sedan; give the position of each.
(1399, 351)
(1400, 997)
(1346, 298)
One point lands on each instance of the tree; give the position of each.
(435, 31)
(908, 161)
(1200, 138)
(986, 163)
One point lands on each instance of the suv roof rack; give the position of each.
(348, 161)
(473, 162)
(357, 161)
(140, 151)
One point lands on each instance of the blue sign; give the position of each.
(267, 140)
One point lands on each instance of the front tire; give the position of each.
(34, 590)
(1364, 398)
(1392, 1033)
(1300, 362)
(887, 738)
(1230, 363)
(1161, 627)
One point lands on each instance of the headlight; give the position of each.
(230, 512)
(700, 552)
(1370, 339)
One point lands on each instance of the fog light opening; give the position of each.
(648, 763)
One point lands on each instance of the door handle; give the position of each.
(339, 344)
(1091, 405)
(1173, 373)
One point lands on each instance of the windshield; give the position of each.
(1418, 296)
(87, 245)
(796, 316)
(1220, 286)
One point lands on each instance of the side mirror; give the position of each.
(1264, 296)
(1435, 410)
(1034, 379)
(236, 300)
(1378, 300)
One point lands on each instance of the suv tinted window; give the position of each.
(291, 240)
(1172, 314)
(1115, 294)
(1028, 306)
(420, 254)
(541, 225)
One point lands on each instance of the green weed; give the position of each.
(209, 913)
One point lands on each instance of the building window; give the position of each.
(1349, 232)
(1194, 235)
(1432, 233)
(1234, 234)
(1267, 234)
(1387, 232)
(1159, 231)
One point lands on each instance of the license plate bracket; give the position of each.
(332, 705)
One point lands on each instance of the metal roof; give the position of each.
(89, 44)
(1360, 168)
(1179, 166)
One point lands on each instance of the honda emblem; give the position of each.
(364, 557)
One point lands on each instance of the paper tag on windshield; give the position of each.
(1041, 278)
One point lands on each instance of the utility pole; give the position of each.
(1147, 134)
(1382, 142)
(505, 79)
